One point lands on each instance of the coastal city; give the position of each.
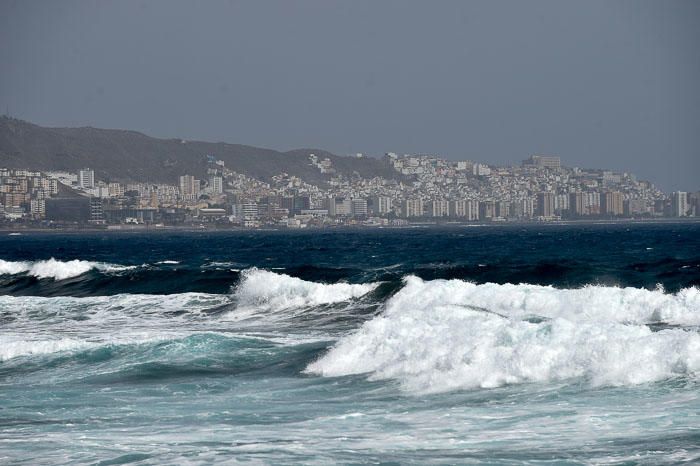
(427, 189)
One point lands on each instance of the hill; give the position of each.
(120, 155)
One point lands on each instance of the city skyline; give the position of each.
(430, 189)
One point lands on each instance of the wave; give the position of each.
(58, 270)
(107, 312)
(150, 356)
(13, 346)
(445, 335)
(267, 290)
(589, 303)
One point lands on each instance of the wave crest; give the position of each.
(274, 291)
(58, 270)
(446, 335)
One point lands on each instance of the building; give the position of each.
(545, 205)
(634, 207)
(359, 207)
(96, 211)
(543, 161)
(479, 169)
(381, 205)
(339, 206)
(412, 207)
(466, 209)
(591, 203)
(679, 204)
(487, 210)
(115, 189)
(86, 178)
(439, 208)
(189, 187)
(612, 204)
(502, 209)
(577, 204)
(249, 210)
(69, 209)
(216, 185)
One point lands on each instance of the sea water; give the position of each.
(501, 345)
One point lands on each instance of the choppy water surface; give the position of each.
(547, 344)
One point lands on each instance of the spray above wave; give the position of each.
(432, 337)
(58, 270)
(267, 290)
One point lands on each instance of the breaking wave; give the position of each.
(445, 335)
(274, 291)
(58, 270)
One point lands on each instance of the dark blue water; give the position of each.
(504, 344)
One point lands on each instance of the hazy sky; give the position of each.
(610, 84)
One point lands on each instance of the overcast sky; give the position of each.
(609, 84)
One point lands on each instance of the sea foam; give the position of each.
(58, 270)
(444, 335)
(274, 291)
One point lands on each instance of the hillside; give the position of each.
(119, 155)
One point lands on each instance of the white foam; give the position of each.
(12, 347)
(58, 270)
(274, 291)
(431, 340)
(12, 268)
(589, 303)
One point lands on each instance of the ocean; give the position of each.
(536, 344)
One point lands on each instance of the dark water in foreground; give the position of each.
(507, 345)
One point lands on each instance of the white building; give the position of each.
(679, 204)
(412, 207)
(216, 185)
(86, 178)
(381, 205)
(439, 208)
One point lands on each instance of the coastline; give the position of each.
(6, 229)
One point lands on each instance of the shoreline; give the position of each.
(417, 225)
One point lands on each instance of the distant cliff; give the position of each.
(119, 155)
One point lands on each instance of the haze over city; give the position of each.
(601, 84)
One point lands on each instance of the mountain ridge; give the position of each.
(129, 155)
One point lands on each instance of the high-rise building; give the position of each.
(86, 178)
(591, 203)
(339, 206)
(502, 209)
(561, 203)
(412, 207)
(576, 204)
(545, 205)
(189, 187)
(467, 209)
(487, 210)
(381, 205)
(679, 204)
(216, 184)
(359, 207)
(439, 208)
(612, 203)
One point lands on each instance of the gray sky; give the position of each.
(610, 84)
